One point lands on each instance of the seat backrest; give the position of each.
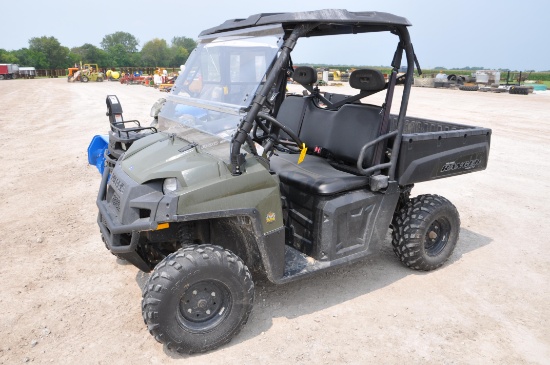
(342, 132)
(291, 113)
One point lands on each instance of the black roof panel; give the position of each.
(326, 16)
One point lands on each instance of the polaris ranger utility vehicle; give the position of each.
(237, 176)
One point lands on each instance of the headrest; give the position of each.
(367, 80)
(305, 75)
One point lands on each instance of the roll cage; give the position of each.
(322, 23)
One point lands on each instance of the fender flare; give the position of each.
(270, 245)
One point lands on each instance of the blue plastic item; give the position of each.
(96, 151)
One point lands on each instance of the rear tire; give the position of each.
(425, 232)
(198, 298)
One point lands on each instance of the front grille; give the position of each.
(116, 202)
(125, 200)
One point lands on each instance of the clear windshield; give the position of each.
(220, 80)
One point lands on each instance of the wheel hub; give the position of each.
(201, 302)
(437, 236)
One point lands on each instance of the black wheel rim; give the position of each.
(204, 305)
(437, 236)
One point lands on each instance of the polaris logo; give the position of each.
(466, 165)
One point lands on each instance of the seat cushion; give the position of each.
(315, 175)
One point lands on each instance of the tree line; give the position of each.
(119, 49)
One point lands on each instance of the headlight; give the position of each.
(170, 184)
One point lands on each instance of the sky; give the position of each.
(452, 34)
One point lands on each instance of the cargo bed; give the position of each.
(433, 149)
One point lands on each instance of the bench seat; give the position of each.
(336, 134)
(315, 175)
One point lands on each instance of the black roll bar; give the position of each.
(404, 45)
(246, 124)
(406, 42)
(241, 136)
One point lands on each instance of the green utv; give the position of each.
(237, 176)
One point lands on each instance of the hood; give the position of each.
(161, 156)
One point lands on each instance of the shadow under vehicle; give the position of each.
(237, 177)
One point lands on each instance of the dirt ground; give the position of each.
(66, 299)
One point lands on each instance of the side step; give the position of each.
(298, 263)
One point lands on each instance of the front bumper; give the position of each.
(127, 208)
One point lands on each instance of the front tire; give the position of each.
(198, 298)
(425, 232)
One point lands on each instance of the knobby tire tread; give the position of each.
(409, 227)
(190, 258)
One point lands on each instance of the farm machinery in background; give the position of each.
(481, 80)
(489, 81)
(159, 79)
(324, 75)
(8, 71)
(13, 71)
(135, 78)
(112, 75)
(516, 87)
(85, 73)
(167, 84)
(162, 80)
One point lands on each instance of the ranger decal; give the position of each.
(466, 165)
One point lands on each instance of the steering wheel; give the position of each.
(272, 138)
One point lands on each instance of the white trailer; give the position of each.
(27, 72)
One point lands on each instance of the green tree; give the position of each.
(155, 53)
(8, 57)
(178, 56)
(180, 50)
(31, 58)
(121, 49)
(188, 43)
(88, 53)
(118, 57)
(55, 54)
(128, 42)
